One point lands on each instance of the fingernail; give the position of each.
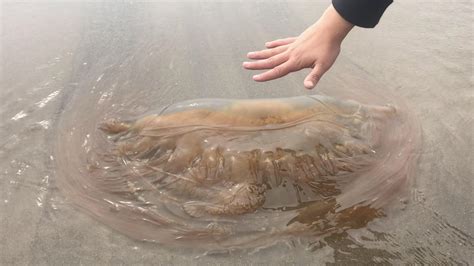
(256, 77)
(309, 84)
(251, 53)
(245, 64)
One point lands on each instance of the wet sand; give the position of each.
(57, 58)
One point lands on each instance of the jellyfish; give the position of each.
(233, 172)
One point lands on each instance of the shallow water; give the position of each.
(66, 66)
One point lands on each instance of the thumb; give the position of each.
(314, 76)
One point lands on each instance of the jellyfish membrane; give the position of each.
(232, 174)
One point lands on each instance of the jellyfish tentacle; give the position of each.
(114, 126)
(240, 199)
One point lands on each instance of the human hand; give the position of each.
(317, 48)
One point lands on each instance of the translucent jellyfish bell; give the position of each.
(246, 173)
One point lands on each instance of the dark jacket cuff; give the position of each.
(362, 13)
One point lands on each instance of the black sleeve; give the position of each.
(362, 13)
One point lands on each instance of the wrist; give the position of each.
(335, 25)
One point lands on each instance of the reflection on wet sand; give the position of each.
(231, 174)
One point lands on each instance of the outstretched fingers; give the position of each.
(267, 53)
(277, 72)
(280, 42)
(267, 63)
